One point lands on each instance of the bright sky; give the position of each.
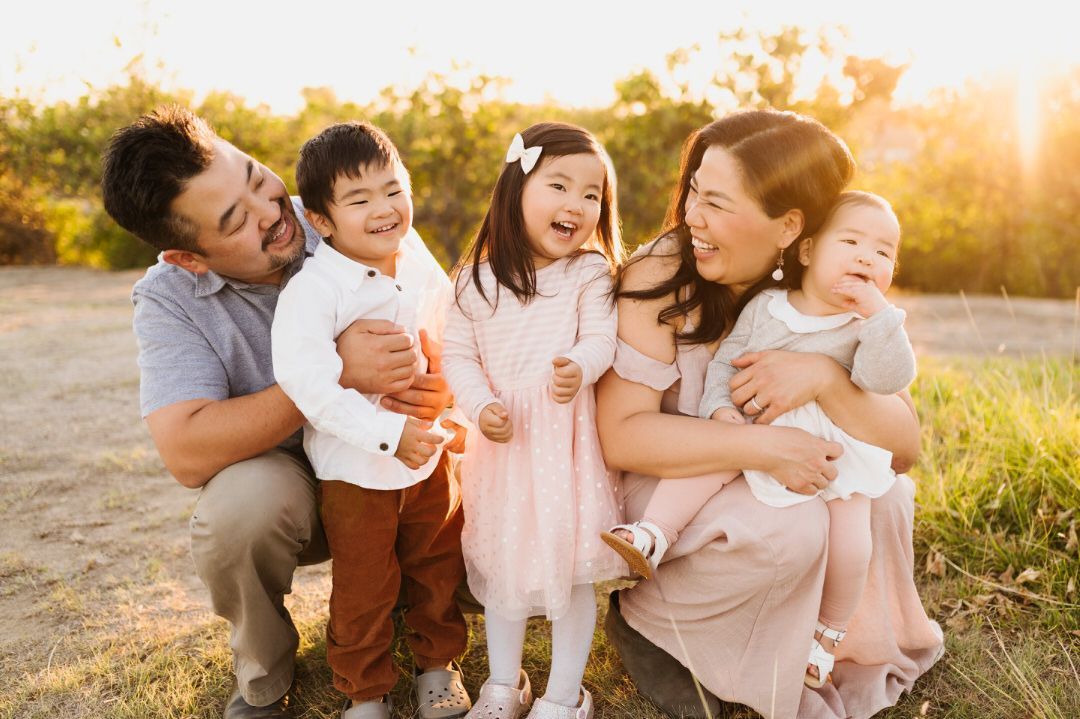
(572, 51)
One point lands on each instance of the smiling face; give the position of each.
(561, 205)
(247, 228)
(369, 215)
(735, 242)
(860, 242)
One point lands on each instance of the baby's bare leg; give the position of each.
(848, 560)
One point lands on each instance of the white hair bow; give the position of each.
(527, 157)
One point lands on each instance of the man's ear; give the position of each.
(805, 246)
(320, 222)
(186, 260)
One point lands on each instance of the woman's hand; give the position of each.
(778, 381)
(802, 462)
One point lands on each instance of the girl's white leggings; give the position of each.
(571, 639)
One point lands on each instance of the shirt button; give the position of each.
(398, 287)
(371, 273)
(384, 446)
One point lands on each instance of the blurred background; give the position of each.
(967, 118)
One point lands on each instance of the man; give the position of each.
(230, 238)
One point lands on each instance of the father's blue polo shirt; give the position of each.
(207, 336)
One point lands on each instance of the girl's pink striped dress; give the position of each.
(535, 506)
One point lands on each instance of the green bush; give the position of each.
(86, 235)
(25, 238)
(978, 213)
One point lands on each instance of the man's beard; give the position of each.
(295, 250)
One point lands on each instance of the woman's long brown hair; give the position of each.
(788, 161)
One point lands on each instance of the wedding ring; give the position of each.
(758, 407)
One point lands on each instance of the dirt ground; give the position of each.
(93, 529)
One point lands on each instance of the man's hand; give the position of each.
(457, 444)
(495, 423)
(377, 357)
(728, 414)
(417, 443)
(429, 394)
(565, 380)
(862, 297)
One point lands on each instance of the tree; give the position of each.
(974, 216)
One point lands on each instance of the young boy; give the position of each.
(385, 490)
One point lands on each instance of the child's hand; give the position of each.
(728, 414)
(417, 444)
(862, 297)
(457, 444)
(565, 380)
(495, 423)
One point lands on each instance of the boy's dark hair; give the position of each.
(146, 165)
(343, 149)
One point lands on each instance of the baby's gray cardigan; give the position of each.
(876, 351)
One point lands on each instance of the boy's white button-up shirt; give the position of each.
(349, 436)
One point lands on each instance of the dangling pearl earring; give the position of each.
(778, 273)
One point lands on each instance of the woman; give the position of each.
(737, 601)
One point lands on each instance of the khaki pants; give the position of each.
(383, 542)
(254, 522)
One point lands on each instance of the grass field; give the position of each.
(101, 614)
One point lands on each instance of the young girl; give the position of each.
(532, 330)
(838, 310)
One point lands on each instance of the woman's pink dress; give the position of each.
(535, 506)
(743, 585)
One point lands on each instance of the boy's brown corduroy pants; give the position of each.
(383, 541)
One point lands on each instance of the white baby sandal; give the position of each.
(821, 657)
(644, 554)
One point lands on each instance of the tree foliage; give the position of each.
(976, 215)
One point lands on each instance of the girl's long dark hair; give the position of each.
(788, 161)
(502, 241)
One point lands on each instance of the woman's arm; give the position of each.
(637, 436)
(783, 380)
(887, 421)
